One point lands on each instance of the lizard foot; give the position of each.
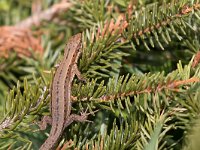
(43, 123)
(79, 118)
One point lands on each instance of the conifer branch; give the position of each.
(159, 21)
(184, 10)
(137, 85)
(172, 86)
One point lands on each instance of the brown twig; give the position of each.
(46, 15)
(196, 59)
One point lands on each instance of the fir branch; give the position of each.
(173, 86)
(21, 108)
(89, 13)
(19, 105)
(136, 85)
(99, 45)
(184, 10)
(153, 21)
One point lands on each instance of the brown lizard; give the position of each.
(61, 115)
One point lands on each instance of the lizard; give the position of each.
(61, 103)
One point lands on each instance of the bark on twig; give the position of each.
(46, 15)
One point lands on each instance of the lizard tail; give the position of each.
(51, 141)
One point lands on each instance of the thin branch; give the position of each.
(196, 59)
(169, 86)
(173, 86)
(183, 11)
(46, 15)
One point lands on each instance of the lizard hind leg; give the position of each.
(79, 118)
(43, 123)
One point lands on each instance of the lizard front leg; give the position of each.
(78, 73)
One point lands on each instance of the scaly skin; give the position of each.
(61, 93)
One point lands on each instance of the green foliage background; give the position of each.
(142, 81)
